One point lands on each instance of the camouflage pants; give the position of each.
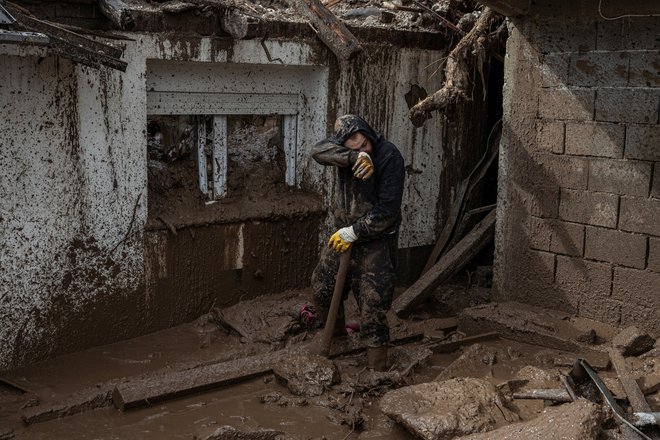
(370, 277)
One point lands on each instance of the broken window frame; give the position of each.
(219, 106)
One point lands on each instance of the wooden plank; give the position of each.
(555, 395)
(161, 386)
(448, 347)
(68, 44)
(447, 267)
(516, 322)
(448, 228)
(635, 395)
(170, 385)
(329, 28)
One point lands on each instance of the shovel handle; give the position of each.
(326, 338)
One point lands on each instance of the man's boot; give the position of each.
(377, 358)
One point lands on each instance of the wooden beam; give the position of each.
(448, 347)
(166, 385)
(118, 13)
(68, 44)
(169, 385)
(447, 266)
(448, 228)
(59, 33)
(554, 395)
(329, 28)
(635, 395)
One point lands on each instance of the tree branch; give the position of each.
(460, 61)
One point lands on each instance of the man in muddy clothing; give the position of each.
(367, 213)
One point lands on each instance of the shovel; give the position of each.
(326, 337)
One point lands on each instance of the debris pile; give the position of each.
(444, 380)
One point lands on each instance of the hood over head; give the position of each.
(346, 125)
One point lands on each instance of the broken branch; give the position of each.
(457, 72)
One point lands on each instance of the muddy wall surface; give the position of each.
(84, 264)
(579, 195)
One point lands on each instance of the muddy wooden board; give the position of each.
(530, 325)
(169, 385)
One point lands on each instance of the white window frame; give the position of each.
(220, 106)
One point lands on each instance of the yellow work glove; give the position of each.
(363, 168)
(341, 240)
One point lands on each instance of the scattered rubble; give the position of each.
(487, 387)
(631, 341)
(447, 409)
(306, 375)
(230, 433)
(580, 420)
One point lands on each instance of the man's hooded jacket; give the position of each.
(373, 206)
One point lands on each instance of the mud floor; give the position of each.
(347, 407)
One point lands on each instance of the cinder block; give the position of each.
(597, 209)
(566, 104)
(564, 171)
(583, 279)
(642, 316)
(604, 69)
(643, 142)
(556, 236)
(640, 215)
(644, 69)
(620, 176)
(654, 255)
(554, 69)
(605, 310)
(595, 139)
(543, 199)
(615, 247)
(550, 136)
(639, 287)
(637, 33)
(559, 35)
(655, 184)
(635, 105)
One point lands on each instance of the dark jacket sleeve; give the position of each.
(328, 153)
(386, 212)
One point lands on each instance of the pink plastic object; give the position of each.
(352, 327)
(307, 314)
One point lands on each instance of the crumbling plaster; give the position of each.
(73, 167)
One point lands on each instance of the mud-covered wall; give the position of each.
(71, 242)
(83, 266)
(438, 155)
(579, 196)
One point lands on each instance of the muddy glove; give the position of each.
(363, 167)
(341, 240)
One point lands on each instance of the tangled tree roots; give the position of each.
(468, 54)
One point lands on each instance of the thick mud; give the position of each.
(342, 400)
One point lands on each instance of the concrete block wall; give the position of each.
(579, 212)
